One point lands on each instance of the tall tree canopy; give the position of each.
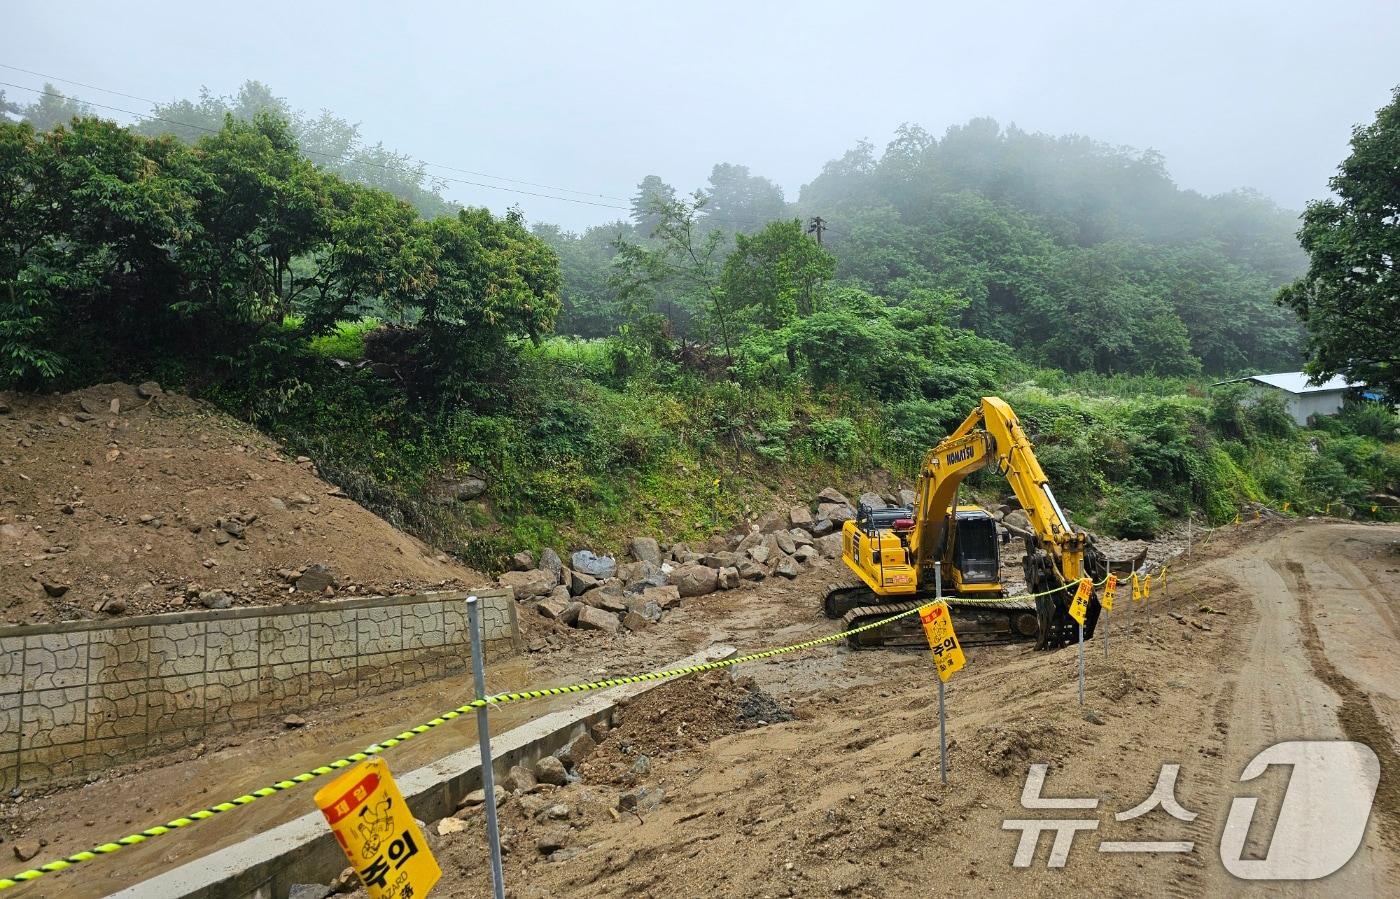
(1350, 296)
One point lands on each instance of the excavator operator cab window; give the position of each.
(975, 548)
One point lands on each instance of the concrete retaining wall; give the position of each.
(78, 697)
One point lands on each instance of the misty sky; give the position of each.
(593, 96)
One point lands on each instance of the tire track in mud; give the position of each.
(1356, 715)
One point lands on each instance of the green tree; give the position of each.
(775, 275)
(1350, 297)
(739, 201)
(51, 109)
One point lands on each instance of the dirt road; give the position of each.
(1284, 631)
(845, 799)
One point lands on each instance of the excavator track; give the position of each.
(845, 595)
(977, 622)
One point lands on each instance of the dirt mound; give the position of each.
(119, 500)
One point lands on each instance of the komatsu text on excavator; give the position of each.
(893, 552)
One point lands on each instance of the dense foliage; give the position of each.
(1350, 296)
(709, 337)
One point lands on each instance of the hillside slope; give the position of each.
(116, 503)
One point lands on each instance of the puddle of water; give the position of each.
(158, 795)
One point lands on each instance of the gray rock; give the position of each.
(836, 513)
(646, 549)
(678, 551)
(634, 573)
(873, 500)
(215, 599)
(822, 527)
(806, 554)
(592, 619)
(668, 597)
(759, 553)
(529, 584)
(580, 583)
(1017, 519)
(800, 537)
(832, 495)
(571, 612)
(54, 589)
(576, 750)
(907, 497)
(598, 566)
(800, 517)
(560, 593)
(773, 521)
(642, 766)
(522, 561)
(728, 578)
(148, 390)
(466, 489)
(633, 621)
(752, 571)
(520, 779)
(690, 557)
(829, 546)
(552, 841)
(748, 542)
(549, 770)
(551, 607)
(786, 568)
(232, 526)
(609, 598)
(720, 559)
(785, 542)
(693, 579)
(315, 579)
(557, 812)
(550, 561)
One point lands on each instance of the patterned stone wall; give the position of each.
(78, 697)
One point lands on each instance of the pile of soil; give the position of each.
(118, 501)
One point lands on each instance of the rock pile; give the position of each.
(600, 592)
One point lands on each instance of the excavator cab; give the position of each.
(976, 553)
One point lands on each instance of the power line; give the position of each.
(155, 103)
(352, 160)
(380, 165)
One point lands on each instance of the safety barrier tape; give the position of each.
(480, 702)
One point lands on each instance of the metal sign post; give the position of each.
(942, 715)
(1081, 664)
(483, 731)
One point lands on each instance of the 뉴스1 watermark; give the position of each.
(1331, 786)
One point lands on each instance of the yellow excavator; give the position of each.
(892, 551)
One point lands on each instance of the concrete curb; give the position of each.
(265, 865)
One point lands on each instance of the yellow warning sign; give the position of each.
(1079, 607)
(1137, 588)
(1146, 586)
(373, 825)
(1110, 591)
(942, 642)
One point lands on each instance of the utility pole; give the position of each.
(816, 225)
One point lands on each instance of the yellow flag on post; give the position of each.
(1110, 592)
(1137, 588)
(1079, 606)
(1162, 579)
(1147, 586)
(942, 641)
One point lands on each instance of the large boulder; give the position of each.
(649, 609)
(785, 542)
(693, 579)
(589, 563)
(800, 537)
(907, 498)
(581, 583)
(836, 513)
(551, 608)
(609, 599)
(464, 490)
(591, 619)
(786, 568)
(632, 572)
(549, 770)
(832, 495)
(800, 517)
(571, 612)
(728, 578)
(720, 560)
(749, 541)
(667, 597)
(752, 571)
(821, 527)
(806, 554)
(550, 561)
(522, 561)
(1017, 519)
(529, 584)
(678, 551)
(760, 553)
(771, 522)
(645, 549)
(872, 500)
(829, 546)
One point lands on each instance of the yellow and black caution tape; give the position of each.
(493, 700)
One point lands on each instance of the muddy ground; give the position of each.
(1272, 631)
